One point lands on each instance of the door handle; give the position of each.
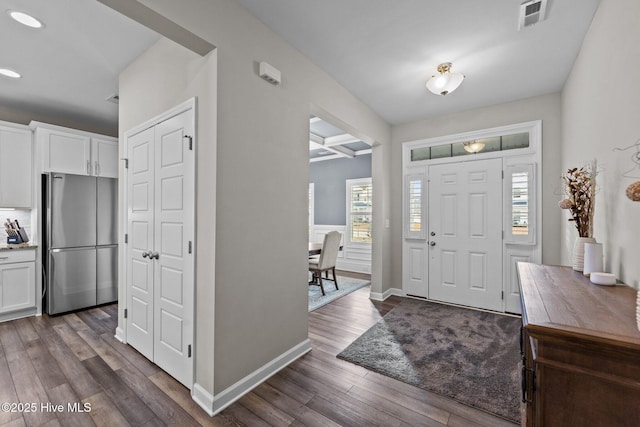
(88, 167)
(146, 254)
(96, 168)
(432, 243)
(153, 255)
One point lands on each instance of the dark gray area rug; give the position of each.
(468, 355)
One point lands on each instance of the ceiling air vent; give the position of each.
(532, 12)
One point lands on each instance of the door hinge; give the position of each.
(502, 295)
(190, 246)
(502, 234)
(503, 174)
(190, 138)
(126, 313)
(126, 163)
(126, 238)
(189, 350)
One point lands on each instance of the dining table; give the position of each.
(316, 249)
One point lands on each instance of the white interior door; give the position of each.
(140, 225)
(465, 233)
(160, 264)
(173, 264)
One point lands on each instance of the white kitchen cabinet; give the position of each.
(67, 150)
(105, 157)
(15, 166)
(17, 283)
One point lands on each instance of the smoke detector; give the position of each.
(532, 12)
(270, 73)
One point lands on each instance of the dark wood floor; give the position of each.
(75, 359)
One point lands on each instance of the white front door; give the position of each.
(160, 266)
(465, 233)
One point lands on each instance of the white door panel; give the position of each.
(140, 225)
(173, 268)
(465, 225)
(161, 189)
(415, 269)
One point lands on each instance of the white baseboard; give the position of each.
(377, 296)
(120, 335)
(214, 404)
(203, 398)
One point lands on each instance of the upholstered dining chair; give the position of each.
(326, 261)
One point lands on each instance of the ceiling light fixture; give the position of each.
(473, 146)
(445, 82)
(25, 19)
(9, 73)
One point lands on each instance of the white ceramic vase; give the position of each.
(578, 252)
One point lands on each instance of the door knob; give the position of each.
(146, 254)
(155, 255)
(432, 243)
(433, 233)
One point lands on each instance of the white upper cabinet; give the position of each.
(15, 166)
(70, 151)
(65, 152)
(105, 157)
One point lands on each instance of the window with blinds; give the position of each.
(520, 213)
(520, 203)
(360, 210)
(415, 205)
(414, 210)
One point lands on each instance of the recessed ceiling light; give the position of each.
(9, 73)
(25, 19)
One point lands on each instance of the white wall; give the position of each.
(545, 108)
(601, 111)
(262, 167)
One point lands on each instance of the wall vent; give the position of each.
(532, 12)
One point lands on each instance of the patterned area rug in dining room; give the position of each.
(346, 285)
(468, 355)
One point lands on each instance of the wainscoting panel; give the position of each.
(350, 258)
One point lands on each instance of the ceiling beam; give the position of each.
(344, 138)
(337, 149)
(160, 24)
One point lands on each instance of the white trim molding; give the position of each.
(377, 296)
(215, 404)
(120, 335)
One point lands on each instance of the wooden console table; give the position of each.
(581, 350)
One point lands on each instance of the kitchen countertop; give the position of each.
(8, 247)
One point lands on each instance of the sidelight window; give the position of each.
(519, 191)
(359, 210)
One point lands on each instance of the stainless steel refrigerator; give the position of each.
(80, 238)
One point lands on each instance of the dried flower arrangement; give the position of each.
(580, 192)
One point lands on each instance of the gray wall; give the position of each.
(598, 118)
(260, 308)
(329, 179)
